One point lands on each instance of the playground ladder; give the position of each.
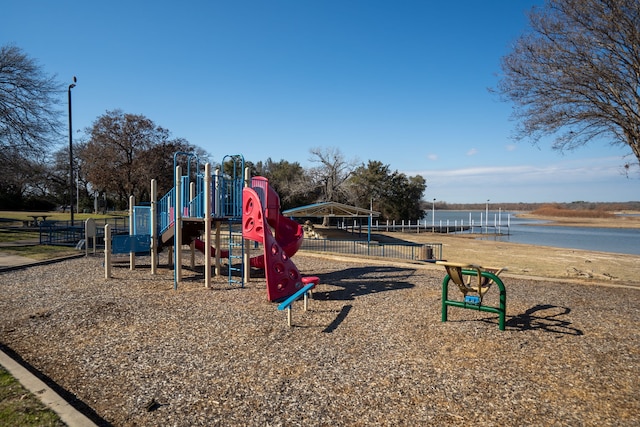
(236, 252)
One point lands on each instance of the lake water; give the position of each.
(617, 240)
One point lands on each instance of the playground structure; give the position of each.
(194, 213)
(473, 292)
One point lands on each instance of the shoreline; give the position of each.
(522, 259)
(554, 221)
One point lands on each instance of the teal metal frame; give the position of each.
(501, 310)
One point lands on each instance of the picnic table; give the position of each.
(35, 222)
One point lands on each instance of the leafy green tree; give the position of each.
(403, 197)
(367, 184)
(576, 74)
(395, 195)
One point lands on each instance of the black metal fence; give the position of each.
(64, 233)
(405, 251)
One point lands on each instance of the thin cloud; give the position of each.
(472, 152)
(582, 171)
(567, 180)
(432, 157)
(607, 166)
(480, 171)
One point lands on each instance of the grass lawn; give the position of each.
(16, 235)
(19, 216)
(12, 231)
(40, 252)
(18, 407)
(25, 243)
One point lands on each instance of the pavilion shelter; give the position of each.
(336, 210)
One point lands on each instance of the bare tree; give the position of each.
(576, 75)
(289, 180)
(29, 124)
(157, 162)
(29, 120)
(115, 158)
(331, 173)
(330, 177)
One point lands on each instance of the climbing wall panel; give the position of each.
(282, 277)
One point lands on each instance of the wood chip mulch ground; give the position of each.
(371, 350)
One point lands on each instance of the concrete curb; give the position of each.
(69, 415)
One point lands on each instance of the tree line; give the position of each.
(121, 153)
(125, 151)
(578, 205)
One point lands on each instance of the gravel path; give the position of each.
(370, 351)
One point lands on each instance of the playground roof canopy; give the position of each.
(330, 209)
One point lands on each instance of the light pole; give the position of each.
(370, 220)
(433, 216)
(78, 191)
(71, 86)
(486, 217)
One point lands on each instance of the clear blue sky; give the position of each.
(403, 82)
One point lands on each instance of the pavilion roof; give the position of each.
(330, 209)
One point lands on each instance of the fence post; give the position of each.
(177, 230)
(107, 251)
(207, 225)
(132, 255)
(247, 242)
(154, 227)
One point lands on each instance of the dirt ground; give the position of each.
(371, 350)
(538, 262)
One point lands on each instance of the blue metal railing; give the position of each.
(227, 200)
(166, 210)
(196, 206)
(184, 197)
(62, 233)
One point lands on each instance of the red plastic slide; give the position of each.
(282, 277)
(289, 235)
